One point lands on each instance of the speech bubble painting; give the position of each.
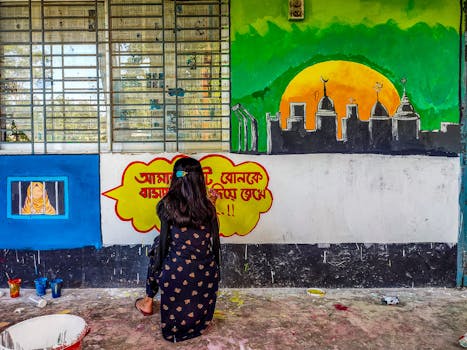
(143, 186)
(242, 193)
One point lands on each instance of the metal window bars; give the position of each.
(86, 76)
(40, 198)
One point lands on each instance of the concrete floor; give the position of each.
(247, 319)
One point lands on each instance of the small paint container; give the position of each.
(37, 301)
(41, 285)
(56, 286)
(15, 286)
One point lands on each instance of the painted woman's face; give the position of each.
(37, 192)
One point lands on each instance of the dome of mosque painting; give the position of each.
(326, 104)
(405, 109)
(378, 110)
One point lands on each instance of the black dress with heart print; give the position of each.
(188, 281)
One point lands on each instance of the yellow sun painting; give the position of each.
(347, 82)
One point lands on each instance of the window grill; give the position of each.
(92, 76)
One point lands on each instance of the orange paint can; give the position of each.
(15, 286)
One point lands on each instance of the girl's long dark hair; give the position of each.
(186, 203)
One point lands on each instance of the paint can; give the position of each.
(37, 301)
(41, 285)
(15, 286)
(58, 332)
(56, 286)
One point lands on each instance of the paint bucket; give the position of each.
(37, 301)
(41, 285)
(54, 332)
(15, 286)
(56, 286)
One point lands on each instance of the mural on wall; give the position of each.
(242, 191)
(37, 198)
(350, 77)
(50, 202)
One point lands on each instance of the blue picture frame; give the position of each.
(55, 197)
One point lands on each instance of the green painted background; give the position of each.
(416, 39)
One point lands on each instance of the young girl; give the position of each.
(185, 264)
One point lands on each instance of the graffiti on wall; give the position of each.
(49, 202)
(339, 82)
(242, 192)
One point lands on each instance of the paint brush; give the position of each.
(7, 276)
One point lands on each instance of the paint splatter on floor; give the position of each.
(251, 319)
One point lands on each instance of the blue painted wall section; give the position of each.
(80, 227)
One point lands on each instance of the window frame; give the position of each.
(214, 124)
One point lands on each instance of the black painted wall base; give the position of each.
(252, 265)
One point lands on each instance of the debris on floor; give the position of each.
(463, 341)
(316, 292)
(263, 318)
(390, 300)
(341, 307)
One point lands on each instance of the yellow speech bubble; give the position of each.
(143, 185)
(241, 190)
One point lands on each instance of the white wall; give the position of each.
(329, 198)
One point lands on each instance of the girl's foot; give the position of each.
(144, 305)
